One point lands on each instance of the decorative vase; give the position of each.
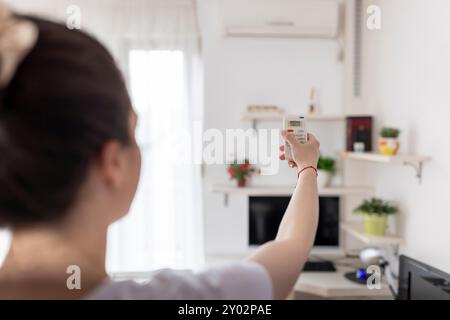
(242, 182)
(375, 224)
(323, 178)
(388, 146)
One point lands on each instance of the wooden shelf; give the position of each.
(412, 160)
(376, 157)
(279, 117)
(356, 230)
(286, 190)
(270, 116)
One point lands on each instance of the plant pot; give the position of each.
(242, 182)
(388, 146)
(323, 178)
(375, 225)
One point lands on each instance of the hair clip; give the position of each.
(17, 39)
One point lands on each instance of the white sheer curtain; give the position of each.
(163, 71)
(156, 44)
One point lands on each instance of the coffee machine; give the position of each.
(359, 130)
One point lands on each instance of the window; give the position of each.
(149, 237)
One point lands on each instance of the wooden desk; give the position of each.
(333, 285)
(323, 285)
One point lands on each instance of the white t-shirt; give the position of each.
(237, 281)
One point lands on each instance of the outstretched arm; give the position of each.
(285, 256)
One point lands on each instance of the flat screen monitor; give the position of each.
(418, 281)
(266, 214)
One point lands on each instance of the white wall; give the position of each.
(406, 83)
(244, 71)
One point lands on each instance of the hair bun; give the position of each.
(17, 39)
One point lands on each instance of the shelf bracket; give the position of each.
(396, 250)
(225, 199)
(418, 167)
(254, 124)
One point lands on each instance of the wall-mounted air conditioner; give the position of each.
(282, 18)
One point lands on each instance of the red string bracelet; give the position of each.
(305, 168)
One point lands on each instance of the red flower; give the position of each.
(243, 167)
(231, 172)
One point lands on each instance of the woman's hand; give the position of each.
(303, 155)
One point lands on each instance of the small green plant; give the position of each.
(327, 164)
(389, 132)
(376, 206)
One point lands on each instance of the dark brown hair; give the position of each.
(66, 100)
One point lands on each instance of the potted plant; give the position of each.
(326, 168)
(376, 212)
(388, 143)
(241, 172)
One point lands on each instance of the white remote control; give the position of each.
(296, 126)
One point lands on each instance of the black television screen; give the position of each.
(418, 281)
(266, 214)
